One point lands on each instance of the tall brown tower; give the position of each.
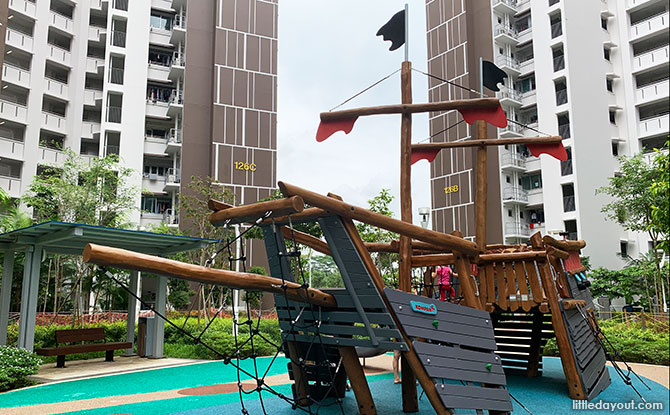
(459, 33)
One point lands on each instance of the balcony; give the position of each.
(517, 229)
(113, 114)
(178, 29)
(533, 164)
(509, 96)
(25, 7)
(153, 183)
(632, 5)
(650, 26)
(53, 122)
(651, 59)
(56, 88)
(10, 148)
(527, 66)
(59, 55)
(11, 186)
(160, 36)
(97, 34)
(155, 146)
(505, 6)
(177, 66)
(94, 64)
(512, 130)
(172, 180)
(13, 112)
(513, 161)
(118, 38)
(515, 195)
(508, 64)
(568, 203)
(174, 141)
(176, 103)
(111, 149)
(158, 72)
(535, 197)
(556, 30)
(61, 22)
(15, 75)
(51, 156)
(92, 97)
(156, 109)
(529, 98)
(654, 126)
(88, 158)
(171, 218)
(652, 92)
(97, 4)
(19, 40)
(505, 34)
(90, 130)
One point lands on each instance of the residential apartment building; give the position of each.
(111, 77)
(595, 73)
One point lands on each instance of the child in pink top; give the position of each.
(444, 275)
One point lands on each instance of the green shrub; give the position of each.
(15, 366)
(634, 344)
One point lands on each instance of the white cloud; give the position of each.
(328, 52)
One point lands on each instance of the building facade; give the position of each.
(595, 73)
(111, 77)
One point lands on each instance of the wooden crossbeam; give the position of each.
(488, 142)
(411, 108)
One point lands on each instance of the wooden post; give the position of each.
(366, 406)
(410, 402)
(299, 375)
(534, 354)
(480, 201)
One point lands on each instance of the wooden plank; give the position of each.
(483, 288)
(358, 381)
(82, 348)
(253, 212)
(534, 280)
(535, 352)
(301, 382)
(501, 284)
(490, 283)
(399, 298)
(522, 282)
(442, 336)
(493, 142)
(511, 287)
(80, 335)
(467, 285)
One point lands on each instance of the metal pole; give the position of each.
(406, 32)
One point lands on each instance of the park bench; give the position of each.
(79, 336)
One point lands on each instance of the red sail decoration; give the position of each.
(427, 154)
(328, 128)
(494, 116)
(555, 150)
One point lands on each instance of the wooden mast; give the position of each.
(410, 402)
(482, 189)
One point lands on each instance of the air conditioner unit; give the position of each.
(153, 176)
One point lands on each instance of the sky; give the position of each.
(328, 52)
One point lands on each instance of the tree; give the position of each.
(12, 217)
(385, 261)
(98, 193)
(660, 188)
(634, 201)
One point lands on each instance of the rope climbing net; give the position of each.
(311, 357)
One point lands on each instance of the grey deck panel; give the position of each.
(342, 317)
(442, 336)
(430, 349)
(460, 326)
(455, 363)
(603, 382)
(473, 397)
(438, 372)
(403, 298)
(275, 243)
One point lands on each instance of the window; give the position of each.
(508, 179)
(606, 54)
(531, 181)
(615, 149)
(571, 229)
(526, 84)
(568, 197)
(566, 166)
(610, 86)
(623, 248)
(603, 22)
(509, 213)
(155, 170)
(613, 117)
(521, 215)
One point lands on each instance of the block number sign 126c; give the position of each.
(243, 165)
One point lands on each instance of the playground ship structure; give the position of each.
(514, 298)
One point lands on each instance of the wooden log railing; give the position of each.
(254, 211)
(121, 258)
(346, 210)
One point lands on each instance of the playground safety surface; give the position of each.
(211, 388)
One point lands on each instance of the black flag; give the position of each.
(492, 75)
(394, 30)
